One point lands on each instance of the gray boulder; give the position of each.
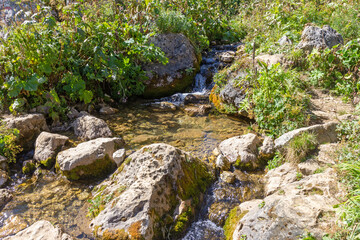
(152, 184)
(178, 73)
(325, 133)
(92, 159)
(89, 127)
(46, 147)
(30, 126)
(267, 149)
(241, 151)
(315, 37)
(297, 207)
(43, 230)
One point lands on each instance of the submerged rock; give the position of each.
(315, 37)
(5, 197)
(107, 110)
(12, 225)
(89, 127)
(30, 126)
(145, 195)
(4, 177)
(46, 147)
(241, 151)
(178, 73)
(92, 159)
(228, 177)
(198, 110)
(43, 230)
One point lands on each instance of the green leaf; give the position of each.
(87, 96)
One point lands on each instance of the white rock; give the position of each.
(47, 144)
(43, 230)
(119, 156)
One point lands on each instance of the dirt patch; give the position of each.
(325, 107)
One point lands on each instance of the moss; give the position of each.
(134, 231)
(118, 234)
(245, 166)
(126, 162)
(195, 180)
(29, 168)
(98, 169)
(234, 217)
(182, 222)
(48, 163)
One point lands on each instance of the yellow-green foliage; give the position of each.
(8, 145)
(182, 222)
(28, 168)
(234, 217)
(115, 235)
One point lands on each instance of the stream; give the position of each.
(51, 197)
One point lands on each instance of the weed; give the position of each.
(299, 147)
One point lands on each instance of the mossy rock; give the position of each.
(96, 170)
(48, 163)
(28, 167)
(152, 90)
(232, 220)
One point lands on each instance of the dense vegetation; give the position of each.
(90, 50)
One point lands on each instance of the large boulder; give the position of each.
(315, 37)
(46, 147)
(43, 230)
(178, 73)
(297, 207)
(30, 126)
(89, 127)
(241, 151)
(325, 133)
(92, 159)
(151, 196)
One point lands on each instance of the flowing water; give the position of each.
(52, 197)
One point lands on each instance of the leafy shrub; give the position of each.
(8, 145)
(277, 161)
(337, 70)
(79, 59)
(175, 22)
(279, 102)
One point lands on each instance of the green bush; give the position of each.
(337, 69)
(175, 22)
(8, 145)
(78, 59)
(279, 101)
(350, 170)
